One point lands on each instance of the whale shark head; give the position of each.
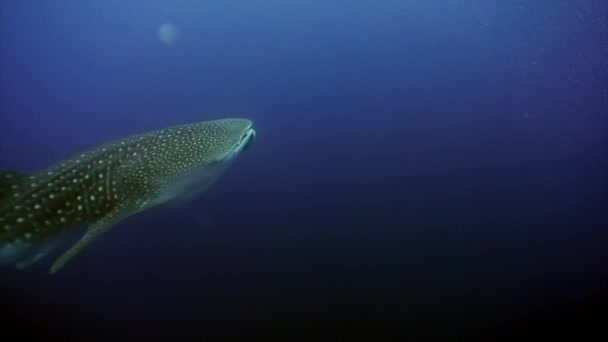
(186, 160)
(230, 137)
(183, 148)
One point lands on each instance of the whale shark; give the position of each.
(99, 188)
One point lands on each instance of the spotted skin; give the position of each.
(104, 185)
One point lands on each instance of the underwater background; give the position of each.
(432, 169)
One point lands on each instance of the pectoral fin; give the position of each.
(92, 233)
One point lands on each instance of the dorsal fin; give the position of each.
(8, 180)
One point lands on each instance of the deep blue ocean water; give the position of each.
(424, 169)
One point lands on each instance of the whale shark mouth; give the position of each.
(248, 138)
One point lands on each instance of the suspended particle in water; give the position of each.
(168, 34)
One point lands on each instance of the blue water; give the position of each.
(429, 169)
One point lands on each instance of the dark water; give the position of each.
(427, 169)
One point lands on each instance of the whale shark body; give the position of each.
(103, 186)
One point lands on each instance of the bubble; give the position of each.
(168, 34)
